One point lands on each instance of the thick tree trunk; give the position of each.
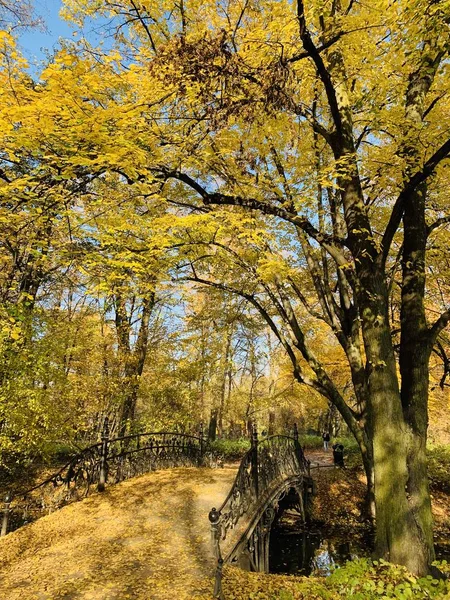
(399, 537)
(415, 342)
(369, 509)
(415, 350)
(415, 379)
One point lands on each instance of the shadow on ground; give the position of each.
(146, 538)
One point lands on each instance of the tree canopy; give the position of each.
(291, 158)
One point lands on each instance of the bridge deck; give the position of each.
(145, 538)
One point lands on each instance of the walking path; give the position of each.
(147, 538)
(319, 458)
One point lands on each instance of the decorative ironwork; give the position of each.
(107, 461)
(266, 474)
(268, 462)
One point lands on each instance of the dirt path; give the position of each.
(144, 539)
(320, 458)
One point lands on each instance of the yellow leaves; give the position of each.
(272, 268)
(144, 549)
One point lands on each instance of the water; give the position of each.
(297, 552)
(306, 553)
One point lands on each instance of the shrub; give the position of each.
(439, 467)
(357, 580)
(230, 449)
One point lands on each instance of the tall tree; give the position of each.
(319, 136)
(345, 103)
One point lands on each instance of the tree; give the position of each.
(18, 14)
(332, 120)
(300, 155)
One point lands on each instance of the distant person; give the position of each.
(326, 440)
(338, 455)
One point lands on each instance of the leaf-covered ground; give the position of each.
(149, 539)
(146, 539)
(340, 495)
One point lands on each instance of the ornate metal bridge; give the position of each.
(273, 475)
(110, 460)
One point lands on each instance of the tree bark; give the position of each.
(415, 340)
(133, 358)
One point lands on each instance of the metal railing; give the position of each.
(268, 463)
(108, 461)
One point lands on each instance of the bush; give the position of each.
(439, 467)
(311, 442)
(366, 580)
(230, 449)
(357, 580)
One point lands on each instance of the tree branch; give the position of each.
(329, 242)
(397, 211)
(438, 223)
(439, 325)
(322, 71)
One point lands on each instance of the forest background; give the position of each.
(228, 213)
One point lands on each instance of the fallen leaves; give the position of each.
(147, 539)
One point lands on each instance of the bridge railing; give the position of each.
(110, 460)
(269, 461)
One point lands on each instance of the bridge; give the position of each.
(109, 461)
(273, 476)
(169, 506)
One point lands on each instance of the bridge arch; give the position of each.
(274, 469)
(251, 551)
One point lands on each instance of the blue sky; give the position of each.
(35, 42)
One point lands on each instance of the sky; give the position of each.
(34, 43)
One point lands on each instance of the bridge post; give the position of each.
(215, 520)
(254, 459)
(218, 592)
(6, 511)
(104, 457)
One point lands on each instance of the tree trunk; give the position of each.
(415, 351)
(224, 369)
(134, 359)
(212, 429)
(415, 341)
(399, 538)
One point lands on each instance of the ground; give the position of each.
(146, 538)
